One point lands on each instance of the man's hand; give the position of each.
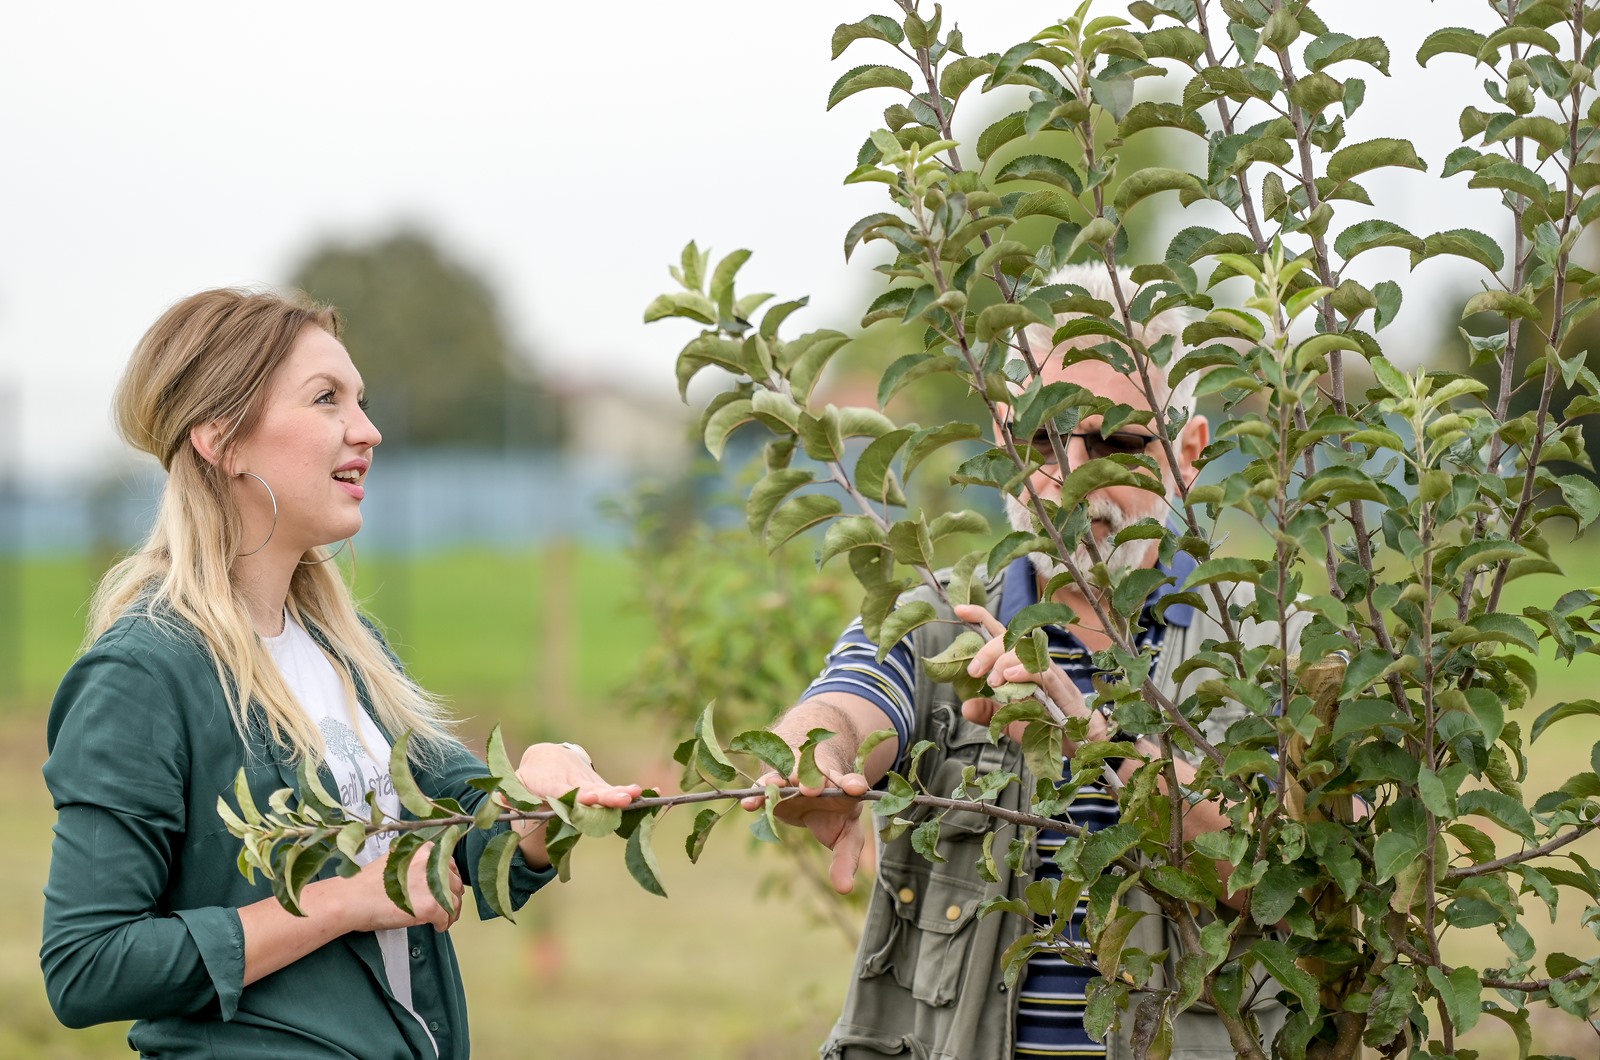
(834, 821)
(1000, 665)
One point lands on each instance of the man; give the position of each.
(928, 977)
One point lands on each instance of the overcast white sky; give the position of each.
(567, 150)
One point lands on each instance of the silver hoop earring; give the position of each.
(324, 559)
(272, 497)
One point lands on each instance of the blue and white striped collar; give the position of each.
(1020, 588)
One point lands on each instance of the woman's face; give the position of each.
(313, 445)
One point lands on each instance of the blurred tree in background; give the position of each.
(440, 364)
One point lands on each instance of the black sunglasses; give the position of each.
(1125, 443)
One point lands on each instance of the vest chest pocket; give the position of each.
(927, 943)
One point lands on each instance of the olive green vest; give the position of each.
(928, 981)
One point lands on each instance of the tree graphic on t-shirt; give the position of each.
(342, 741)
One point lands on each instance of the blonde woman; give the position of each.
(227, 642)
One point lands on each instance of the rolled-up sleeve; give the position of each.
(117, 767)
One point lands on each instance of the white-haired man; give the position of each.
(928, 978)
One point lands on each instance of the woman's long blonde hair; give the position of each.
(209, 359)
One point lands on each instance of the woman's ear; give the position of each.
(207, 440)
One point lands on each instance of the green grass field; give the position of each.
(542, 643)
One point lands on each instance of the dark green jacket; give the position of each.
(141, 910)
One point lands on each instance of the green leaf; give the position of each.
(798, 516)
(1279, 960)
(847, 533)
(768, 746)
(1502, 302)
(708, 349)
(1104, 847)
(694, 844)
(1173, 42)
(1130, 593)
(1368, 235)
(1501, 628)
(873, 477)
(1043, 168)
(722, 279)
(1142, 183)
(1281, 29)
(1581, 496)
(1333, 48)
(1514, 34)
(1001, 133)
(1000, 318)
(1364, 669)
(405, 785)
(965, 521)
(1560, 712)
(901, 621)
(862, 78)
(770, 492)
(925, 839)
(597, 822)
(1513, 177)
(870, 744)
(1274, 896)
(815, 350)
(1450, 40)
(439, 861)
(1314, 92)
(1500, 808)
(1460, 993)
(398, 867)
(690, 304)
(873, 27)
(774, 317)
(1364, 157)
(641, 856)
(810, 776)
(926, 442)
(1097, 474)
(1541, 130)
(1223, 568)
(1388, 297)
(722, 423)
(958, 75)
(911, 543)
(494, 873)
(1151, 115)
(1390, 1009)
(1463, 243)
(500, 765)
(911, 367)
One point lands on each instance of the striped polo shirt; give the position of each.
(1050, 1001)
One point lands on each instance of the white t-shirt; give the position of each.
(358, 758)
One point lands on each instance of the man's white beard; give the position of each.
(1128, 556)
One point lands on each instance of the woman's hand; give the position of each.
(550, 770)
(368, 907)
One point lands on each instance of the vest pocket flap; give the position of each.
(949, 905)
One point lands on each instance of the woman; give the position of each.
(228, 642)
